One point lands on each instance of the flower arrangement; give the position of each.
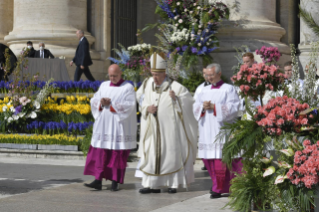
(269, 55)
(305, 169)
(254, 81)
(134, 61)
(282, 114)
(60, 139)
(190, 28)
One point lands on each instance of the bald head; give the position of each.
(115, 73)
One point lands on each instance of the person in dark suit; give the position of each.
(31, 49)
(82, 58)
(43, 53)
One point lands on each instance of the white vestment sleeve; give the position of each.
(197, 108)
(126, 105)
(95, 104)
(228, 110)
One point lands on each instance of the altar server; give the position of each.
(168, 137)
(217, 104)
(114, 132)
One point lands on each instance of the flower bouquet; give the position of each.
(253, 82)
(134, 61)
(190, 28)
(269, 55)
(282, 114)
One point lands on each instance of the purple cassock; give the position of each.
(107, 163)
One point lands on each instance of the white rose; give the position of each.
(185, 10)
(178, 3)
(15, 117)
(191, 12)
(180, 20)
(195, 4)
(199, 26)
(176, 24)
(10, 119)
(199, 44)
(198, 7)
(4, 108)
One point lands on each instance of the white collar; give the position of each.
(81, 38)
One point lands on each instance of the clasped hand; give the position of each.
(172, 95)
(152, 109)
(105, 102)
(208, 105)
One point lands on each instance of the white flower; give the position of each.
(15, 117)
(12, 109)
(37, 105)
(191, 12)
(198, 7)
(10, 119)
(192, 35)
(176, 24)
(280, 179)
(192, 38)
(207, 30)
(185, 10)
(193, 23)
(176, 17)
(33, 115)
(201, 38)
(207, 44)
(195, 4)
(4, 108)
(199, 26)
(24, 100)
(5, 118)
(210, 40)
(178, 3)
(180, 20)
(269, 171)
(199, 44)
(21, 115)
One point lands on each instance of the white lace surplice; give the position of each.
(114, 130)
(227, 105)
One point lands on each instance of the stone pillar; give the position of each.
(52, 22)
(6, 18)
(306, 34)
(251, 23)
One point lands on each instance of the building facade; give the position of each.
(108, 22)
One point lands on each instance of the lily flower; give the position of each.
(269, 171)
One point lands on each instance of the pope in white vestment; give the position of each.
(168, 138)
(114, 131)
(216, 105)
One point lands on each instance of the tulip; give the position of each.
(280, 179)
(266, 160)
(289, 152)
(269, 171)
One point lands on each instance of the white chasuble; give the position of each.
(227, 104)
(167, 141)
(114, 130)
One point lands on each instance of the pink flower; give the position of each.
(24, 100)
(306, 143)
(304, 121)
(280, 122)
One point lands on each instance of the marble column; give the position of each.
(6, 18)
(306, 34)
(52, 22)
(251, 23)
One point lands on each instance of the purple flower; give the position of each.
(18, 110)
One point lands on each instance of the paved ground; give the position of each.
(41, 185)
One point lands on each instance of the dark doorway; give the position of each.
(124, 23)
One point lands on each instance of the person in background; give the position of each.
(31, 49)
(43, 53)
(82, 58)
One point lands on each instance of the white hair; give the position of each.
(42, 43)
(216, 66)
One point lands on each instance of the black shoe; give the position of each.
(96, 184)
(148, 191)
(204, 168)
(211, 190)
(215, 195)
(115, 186)
(172, 190)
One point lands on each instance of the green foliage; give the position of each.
(193, 80)
(308, 19)
(244, 136)
(86, 141)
